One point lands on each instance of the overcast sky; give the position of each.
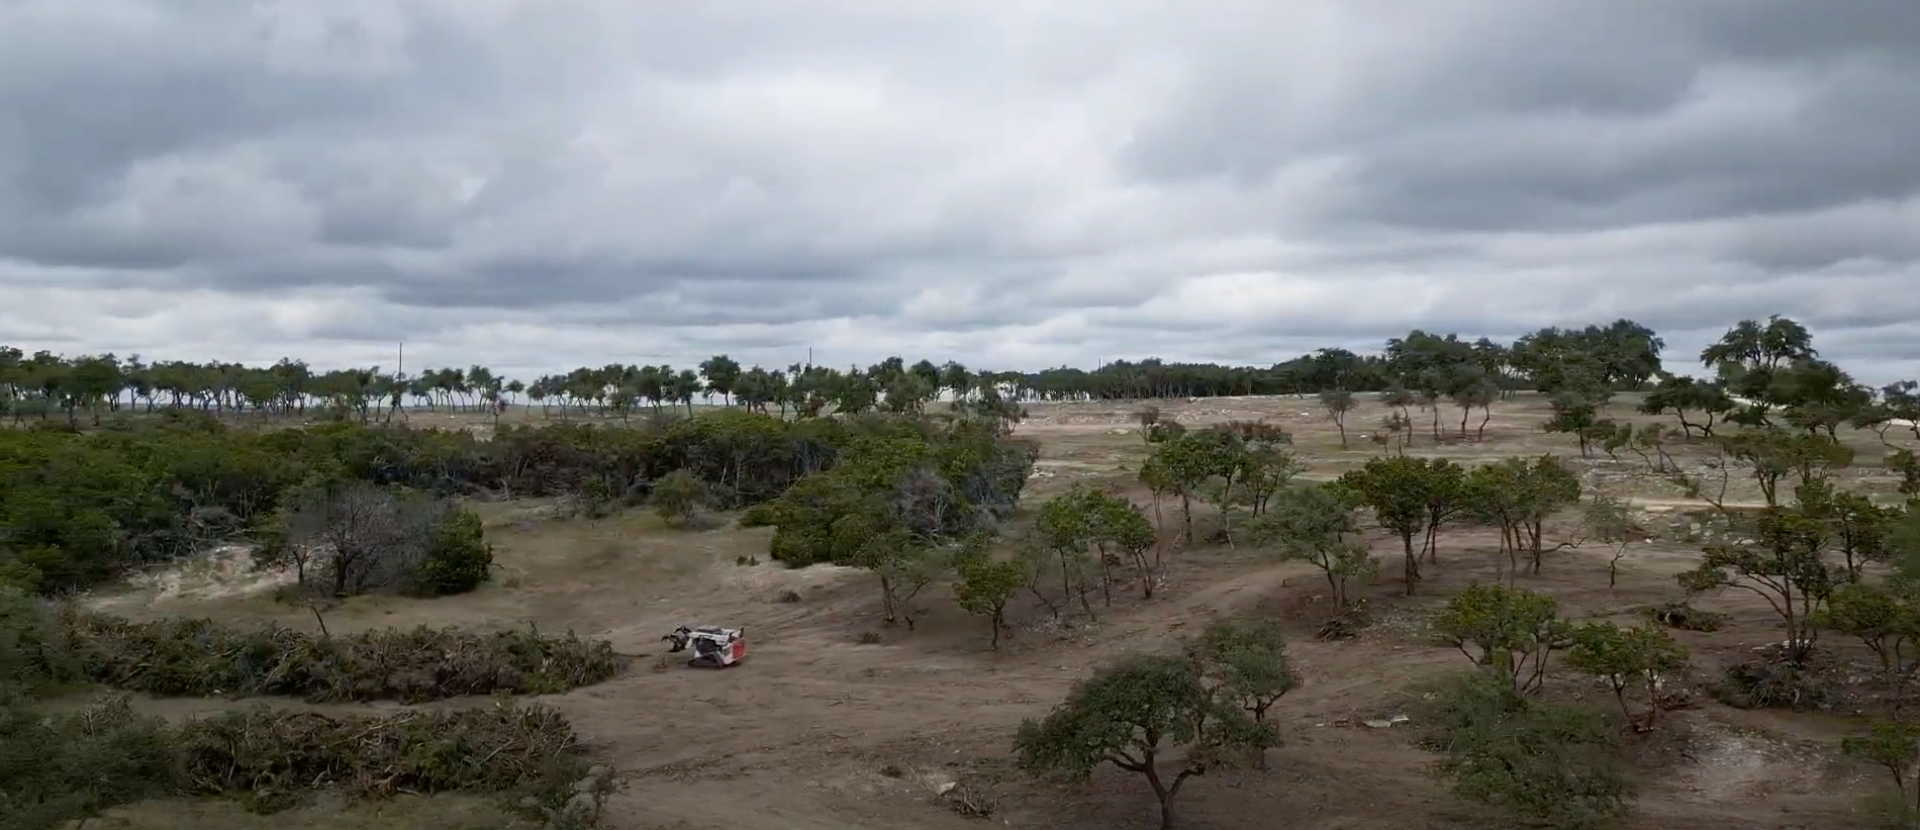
(541, 184)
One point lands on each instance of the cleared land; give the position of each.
(820, 731)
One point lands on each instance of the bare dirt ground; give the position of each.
(818, 731)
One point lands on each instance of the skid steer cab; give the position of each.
(713, 647)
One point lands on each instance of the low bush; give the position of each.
(1544, 761)
(56, 769)
(457, 559)
(270, 758)
(200, 658)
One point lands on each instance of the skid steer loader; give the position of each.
(713, 646)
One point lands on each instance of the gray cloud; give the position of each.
(541, 184)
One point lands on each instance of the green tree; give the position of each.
(1894, 746)
(1680, 394)
(1192, 461)
(1884, 618)
(1785, 566)
(1134, 714)
(1087, 529)
(986, 585)
(722, 374)
(1312, 523)
(1520, 496)
(1513, 633)
(1245, 661)
(457, 559)
(1337, 403)
(679, 495)
(1578, 415)
(1266, 466)
(1410, 497)
(1637, 658)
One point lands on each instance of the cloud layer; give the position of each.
(538, 185)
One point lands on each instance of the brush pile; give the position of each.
(201, 658)
(269, 759)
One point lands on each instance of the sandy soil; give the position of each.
(818, 731)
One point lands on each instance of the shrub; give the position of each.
(65, 767)
(34, 652)
(270, 758)
(1545, 761)
(679, 495)
(200, 658)
(457, 559)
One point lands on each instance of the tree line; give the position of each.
(1622, 355)
(81, 507)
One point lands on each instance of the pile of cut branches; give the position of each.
(271, 758)
(201, 658)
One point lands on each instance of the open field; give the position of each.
(819, 731)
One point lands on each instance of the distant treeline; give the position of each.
(43, 384)
(79, 507)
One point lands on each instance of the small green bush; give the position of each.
(458, 558)
(678, 495)
(1553, 763)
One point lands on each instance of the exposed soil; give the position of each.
(817, 731)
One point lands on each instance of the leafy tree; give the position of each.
(1578, 415)
(986, 585)
(1132, 715)
(1313, 523)
(1680, 394)
(1245, 661)
(1407, 495)
(1785, 567)
(1513, 632)
(1474, 390)
(1189, 463)
(1610, 521)
(1266, 465)
(1547, 762)
(1520, 496)
(1884, 618)
(1337, 403)
(1858, 527)
(1400, 422)
(1627, 658)
(1894, 745)
(1086, 528)
(679, 495)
